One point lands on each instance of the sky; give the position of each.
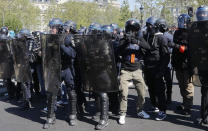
(131, 3)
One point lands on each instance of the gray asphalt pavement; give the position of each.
(13, 119)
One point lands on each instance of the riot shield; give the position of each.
(51, 59)
(6, 65)
(98, 65)
(20, 55)
(198, 45)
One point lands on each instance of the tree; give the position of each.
(168, 9)
(13, 23)
(151, 7)
(84, 13)
(202, 2)
(125, 13)
(18, 13)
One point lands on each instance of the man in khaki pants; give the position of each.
(186, 89)
(131, 68)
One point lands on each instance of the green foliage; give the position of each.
(202, 2)
(18, 13)
(84, 13)
(13, 23)
(22, 13)
(125, 13)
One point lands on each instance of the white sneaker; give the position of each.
(60, 102)
(143, 114)
(45, 109)
(153, 109)
(122, 120)
(65, 103)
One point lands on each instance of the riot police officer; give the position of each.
(37, 64)
(112, 30)
(149, 26)
(7, 80)
(101, 98)
(55, 25)
(70, 27)
(116, 29)
(82, 30)
(131, 68)
(199, 55)
(155, 61)
(25, 84)
(68, 56)
(181, 64)
(4, 30)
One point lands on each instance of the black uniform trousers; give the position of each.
(156, 88)
(204, 91)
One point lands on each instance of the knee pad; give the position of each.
(104, 97)
(72, 95)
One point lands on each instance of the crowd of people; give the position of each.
(144, 55)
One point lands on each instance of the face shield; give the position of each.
(202, 15)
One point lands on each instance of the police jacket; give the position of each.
(180, 60)
(158, 56)
(68, 54)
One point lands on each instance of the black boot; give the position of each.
(72, 107)
(104, 112)
(49, 122)
(200, 121)
(186, 112)
(102, 124)
(51, 119)
(26, 105)
(72, 120)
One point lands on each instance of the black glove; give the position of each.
(134, 41)
(127, 38)
(177, 46)
(184, 42)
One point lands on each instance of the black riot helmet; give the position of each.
(115, 26)
(151, 21)
(82, 30)
(132, 25)
(71, 26)
(4, 30)
(161, 25)
(94, 27)
(183, 21)
(24, 32)
(107, 28)
(202, 13)
(55, 22)
(36, 33)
